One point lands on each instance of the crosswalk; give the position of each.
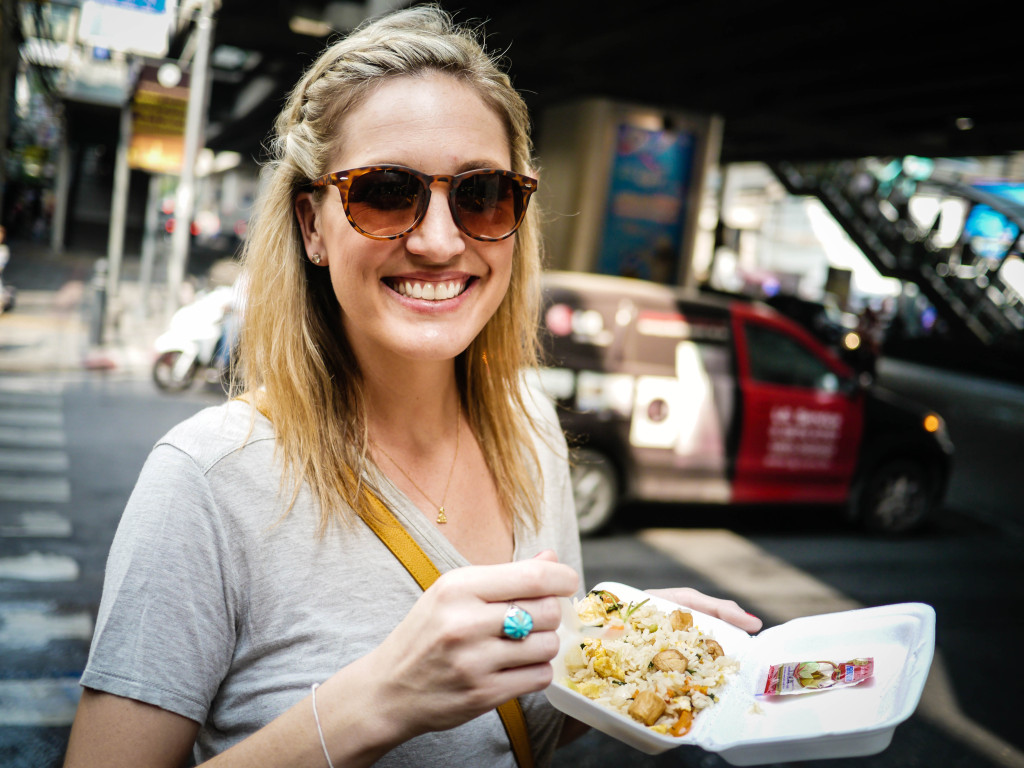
(35, 564)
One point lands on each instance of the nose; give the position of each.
(437, 238)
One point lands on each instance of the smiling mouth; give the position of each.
(417, 289)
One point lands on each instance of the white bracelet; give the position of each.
(319, 730)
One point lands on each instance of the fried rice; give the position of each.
(655, 667)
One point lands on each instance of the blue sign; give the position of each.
(153, 6)
(989, 232)
(647, 210)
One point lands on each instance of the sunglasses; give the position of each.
(386, 202)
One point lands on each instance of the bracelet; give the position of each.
(319, 730)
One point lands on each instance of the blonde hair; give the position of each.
(292, 343)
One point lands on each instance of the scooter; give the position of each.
(7, 292)
(196, 340)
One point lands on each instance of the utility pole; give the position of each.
(119, 203)
(194, 128)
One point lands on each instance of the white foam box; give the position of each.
(747, 729)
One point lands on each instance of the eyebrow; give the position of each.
(467, 165)
(472, 165)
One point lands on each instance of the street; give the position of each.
(71, 446)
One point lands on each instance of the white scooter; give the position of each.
(7, 293)
(194, 341)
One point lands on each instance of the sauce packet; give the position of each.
(810, 676)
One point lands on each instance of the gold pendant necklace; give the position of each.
(441, 517)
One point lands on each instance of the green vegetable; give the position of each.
(632, 609)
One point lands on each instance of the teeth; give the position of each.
(430, 291)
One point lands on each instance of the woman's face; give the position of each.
(436, 125)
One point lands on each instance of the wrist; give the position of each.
(355, 717)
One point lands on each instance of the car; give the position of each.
(669, 395)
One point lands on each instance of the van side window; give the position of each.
(777, 358)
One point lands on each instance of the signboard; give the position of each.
(158, 125)
(990, 232)
(646, 214)
(130, 26)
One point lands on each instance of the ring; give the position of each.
(518, 623)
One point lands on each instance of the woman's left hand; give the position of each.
(726, 610)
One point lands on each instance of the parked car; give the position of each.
(676, 397)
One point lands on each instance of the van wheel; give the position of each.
(896, 496)
(595, 488)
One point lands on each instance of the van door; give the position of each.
(801, 415)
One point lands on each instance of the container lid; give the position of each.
(747, 729)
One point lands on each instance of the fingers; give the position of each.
(517, 581)
(726, 610)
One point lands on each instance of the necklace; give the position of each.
(441, 517)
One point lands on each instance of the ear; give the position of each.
(307, 213)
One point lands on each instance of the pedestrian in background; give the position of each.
(256, 609)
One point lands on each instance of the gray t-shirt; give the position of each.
(220, 607)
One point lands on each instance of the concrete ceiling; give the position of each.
(792, 81)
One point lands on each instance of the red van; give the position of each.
(672, 396)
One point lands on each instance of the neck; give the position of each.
(416, 409)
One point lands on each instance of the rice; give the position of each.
(647, 664)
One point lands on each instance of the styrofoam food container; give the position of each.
(745, 729)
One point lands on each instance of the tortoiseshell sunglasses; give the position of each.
(386, 202)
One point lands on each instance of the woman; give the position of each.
(249, 610)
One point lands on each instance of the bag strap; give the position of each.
(422, 568)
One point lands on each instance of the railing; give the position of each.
(974, 278)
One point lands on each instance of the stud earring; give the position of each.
(315, 258)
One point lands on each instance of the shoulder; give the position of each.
(540, 406)
(217, 432)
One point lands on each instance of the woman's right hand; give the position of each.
(448, 661)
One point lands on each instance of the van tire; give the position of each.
(895, 496)
(595, 489)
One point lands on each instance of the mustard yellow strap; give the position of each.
(422, 568)
(401, 544)
(511, 714)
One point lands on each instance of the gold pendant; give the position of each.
(441, 516)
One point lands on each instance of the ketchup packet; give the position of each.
(810, 676)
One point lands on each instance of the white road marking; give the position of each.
(38, 460)
(31, 417)
(770, 587)
(46, 702)
(36, 388)
(46, 490)
(39, 567)
(30, 626)
(40, 524)
(35, 437)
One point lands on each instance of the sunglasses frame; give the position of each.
(343, 181)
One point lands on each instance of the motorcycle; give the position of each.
(197, 339)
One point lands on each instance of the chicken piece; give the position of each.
(669, 661)
(714, 649)
(647, 707)
(680, 620)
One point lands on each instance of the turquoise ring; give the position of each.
(518, 623)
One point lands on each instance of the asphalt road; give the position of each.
(71, 447)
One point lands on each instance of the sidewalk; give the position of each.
(54, 327)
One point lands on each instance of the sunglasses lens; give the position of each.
(385, 202)
(489, 204)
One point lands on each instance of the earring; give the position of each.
(315, 258)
